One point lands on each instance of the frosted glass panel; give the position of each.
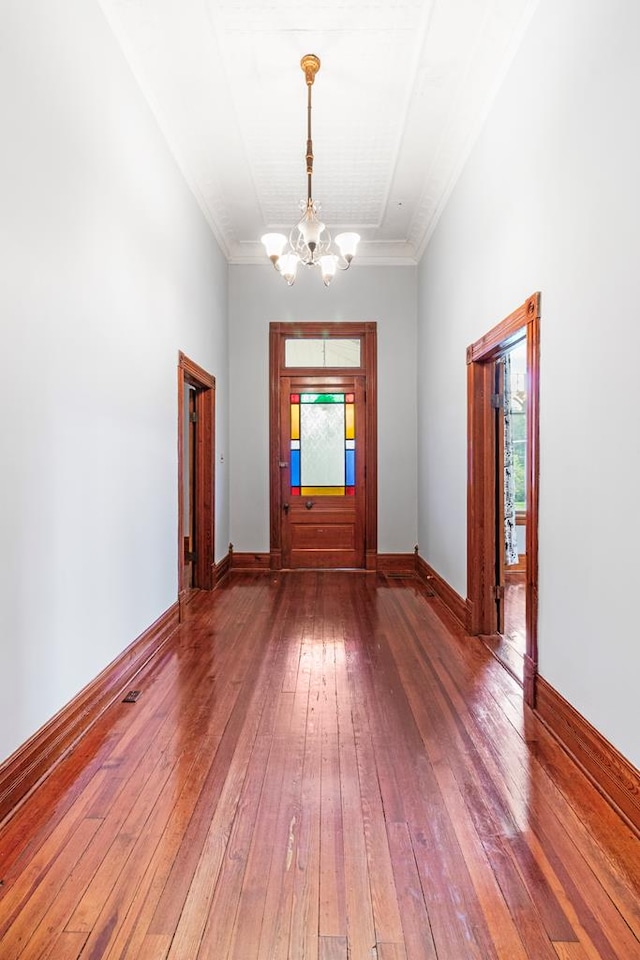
(322, 353)
(322, 444)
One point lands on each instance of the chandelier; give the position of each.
(309, 242)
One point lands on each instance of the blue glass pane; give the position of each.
(295, 468)
(350, 465)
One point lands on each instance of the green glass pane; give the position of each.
(322, 398)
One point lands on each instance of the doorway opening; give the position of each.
(510, 404)
(196, 506)
(502, 515)
(323, 470)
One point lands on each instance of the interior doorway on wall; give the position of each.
(323, 450)
(196, 505)
(502, 529)
(189, 481)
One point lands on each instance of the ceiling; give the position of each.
(401, 95)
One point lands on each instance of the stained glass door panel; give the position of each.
(322, 513)
(322, 453)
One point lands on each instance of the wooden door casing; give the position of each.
(197, 573)
(498, 373)
(365, 525)
(524, 322)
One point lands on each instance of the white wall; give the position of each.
(257, 296)
(107, 269)
(550, 201)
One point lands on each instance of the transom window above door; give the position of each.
(325, 352)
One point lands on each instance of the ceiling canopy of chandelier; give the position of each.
(309, 242)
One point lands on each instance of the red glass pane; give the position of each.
(295, 491)
(350, 491)
(350, 398)
(295, 398)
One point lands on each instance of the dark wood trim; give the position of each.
(452, 600)
(190, 372)
(506, 334)
(523, 323)
(367, 332)
(276, 362)
(481, 508)
(400, 564)
(250, 561)
(533, 486)
(370, 333)
(32, 761)
(613, 775)
(196, 374)
(221, 569)
(529, 675)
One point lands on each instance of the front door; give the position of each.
(323, 445)
(322, 461)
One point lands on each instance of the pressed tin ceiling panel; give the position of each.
(400, 97)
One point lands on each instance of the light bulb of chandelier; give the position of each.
(348, 243)
(274, 244)
(311, 229)
(287, 264)
(328, 268)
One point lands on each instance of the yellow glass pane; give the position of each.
(322, 491)
(349, 431)
(295, 421)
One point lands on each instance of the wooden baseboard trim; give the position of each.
(454, 603)
(611, 773)
(32, 761)
(250, 561)
(397, 564)
(221, 570)
(529, 680)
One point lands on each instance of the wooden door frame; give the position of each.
(482, 545)
(191, 373)
(367, 334)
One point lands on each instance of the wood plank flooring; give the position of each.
(320, 766)
(511, 646)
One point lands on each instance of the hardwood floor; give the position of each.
(320, 765)
(510, 647)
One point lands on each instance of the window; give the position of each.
(308, 352)
(519, 422)
(322, 455)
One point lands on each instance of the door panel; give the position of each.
(322, 470)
